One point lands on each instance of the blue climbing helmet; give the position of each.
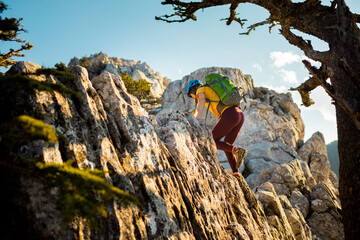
(192, 83)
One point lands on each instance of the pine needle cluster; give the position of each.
(10, 28)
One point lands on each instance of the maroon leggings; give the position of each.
(229, 127)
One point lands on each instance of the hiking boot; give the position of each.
(239, 154)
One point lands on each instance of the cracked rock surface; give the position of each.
(292, 179)
(170, 162)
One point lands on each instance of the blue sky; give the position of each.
(62, 29)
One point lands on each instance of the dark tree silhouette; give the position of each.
(337, 26)
(10, 28)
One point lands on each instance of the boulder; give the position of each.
(304, 200)
(25, 67)
(314, 153)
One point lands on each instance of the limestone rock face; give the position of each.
(314, 153)
(98, 63)
(24, 67)
(168, 161)
(282, 217)
(271, 132)
(291, 179)
(305, 198)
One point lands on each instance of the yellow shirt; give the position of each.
(212, 96)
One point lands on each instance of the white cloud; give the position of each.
(322, 104)
(318, 118)
(257, 66)
(296, 97)
(283, 58)
(279, 89)
(288, 76)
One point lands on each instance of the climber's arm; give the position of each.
(200, 106)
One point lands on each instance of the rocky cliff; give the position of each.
(169, 161)
(285, 173)
(95, 64)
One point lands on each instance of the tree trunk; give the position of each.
(349, 187)
(342, 65)
(346, 85)
(348, 145)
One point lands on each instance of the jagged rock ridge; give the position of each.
(286, 174)
(98, 63)
(169, 161)
(186, 193)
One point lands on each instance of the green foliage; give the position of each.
(56, 72)
(61, 73)
(10, 28)
(31, 85)
(140, 88)
(129, 82)
(83, 193)
(26, 127)
(84, 62)
(60, 66)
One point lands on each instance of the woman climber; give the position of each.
(231, 119)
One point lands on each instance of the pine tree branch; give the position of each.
(305, 88)
(252, 27)
(353, 112)
(232, 16)
(185, 10)
(313, 2)
(304, 45)
(333, 4)
(318, 73)
(356, 17)
(319, 78)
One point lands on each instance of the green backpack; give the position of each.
(226, 90)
